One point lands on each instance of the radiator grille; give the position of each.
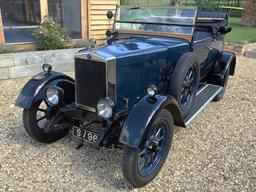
(90, 82)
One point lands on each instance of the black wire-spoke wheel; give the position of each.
(44, 123)
(141, 165)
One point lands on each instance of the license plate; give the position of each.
(85, 135)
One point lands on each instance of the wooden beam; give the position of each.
(103, 7)
(2, 40)
(89, 18)
(32, 46)
(44, 9)
(84, 19)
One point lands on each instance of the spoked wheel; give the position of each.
(140, 166)
(184, 83)
(151, 153)
(188, 88)
(44, 123)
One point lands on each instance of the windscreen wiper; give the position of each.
(132, 8)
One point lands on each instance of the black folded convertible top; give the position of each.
(212, 15)
(212, 21)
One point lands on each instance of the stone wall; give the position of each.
(238, 49)
(246, 50)
(250, 50)
(16, 65)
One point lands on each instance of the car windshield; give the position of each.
(157, 20)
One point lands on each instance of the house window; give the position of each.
(20, 17)
(68, 14)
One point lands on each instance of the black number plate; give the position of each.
(85, 135)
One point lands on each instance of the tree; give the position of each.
(249, 13)
(175, 3)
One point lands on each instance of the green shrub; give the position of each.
(50, 35)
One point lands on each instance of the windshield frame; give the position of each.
(188, 37)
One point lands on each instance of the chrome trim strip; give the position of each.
(203, 106)
(106, 80)
(86, 108)
(111, 77)
(201, 40)
(90, 55)
(203, 88)
(178, 45)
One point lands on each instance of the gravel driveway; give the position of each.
(215, 153)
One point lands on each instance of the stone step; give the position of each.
(250, 54)
(31, 70)
(4, 73)
(23, 64)
(6, 60)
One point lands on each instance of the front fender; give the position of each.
(31, 91)
(142, 116)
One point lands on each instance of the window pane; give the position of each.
(68, 14)
(20, 17)
(156, 19)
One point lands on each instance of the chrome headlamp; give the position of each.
(53, 96)
(105, 108)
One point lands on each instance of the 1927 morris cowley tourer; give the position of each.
(158, 68)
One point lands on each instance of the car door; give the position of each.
(202, 48)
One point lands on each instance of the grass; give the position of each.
(240, 34)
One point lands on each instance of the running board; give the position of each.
(203, 97)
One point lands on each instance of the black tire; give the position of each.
(38, 133)
(130, 162)
(185, 63)
(224, 84)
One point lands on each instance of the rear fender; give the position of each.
(35, 88)
(229, 60)
(226, 61)
(142, 116)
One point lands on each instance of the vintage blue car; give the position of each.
(159, 68)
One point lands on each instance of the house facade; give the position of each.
(84, 18)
